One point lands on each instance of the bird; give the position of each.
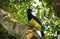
(34, 22)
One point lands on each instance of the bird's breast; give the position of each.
(35, 24)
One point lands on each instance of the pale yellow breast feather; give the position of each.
(35, 24)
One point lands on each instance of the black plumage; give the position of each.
(30, 16)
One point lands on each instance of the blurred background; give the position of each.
(43, 10)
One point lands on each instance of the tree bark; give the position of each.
(16, 29)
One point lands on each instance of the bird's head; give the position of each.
(29, 11)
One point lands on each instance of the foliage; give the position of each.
(43, 10)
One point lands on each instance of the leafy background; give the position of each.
(43, 11)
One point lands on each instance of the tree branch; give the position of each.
(16, 29)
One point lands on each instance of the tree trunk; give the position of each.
(56, 7)
(16, 29)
